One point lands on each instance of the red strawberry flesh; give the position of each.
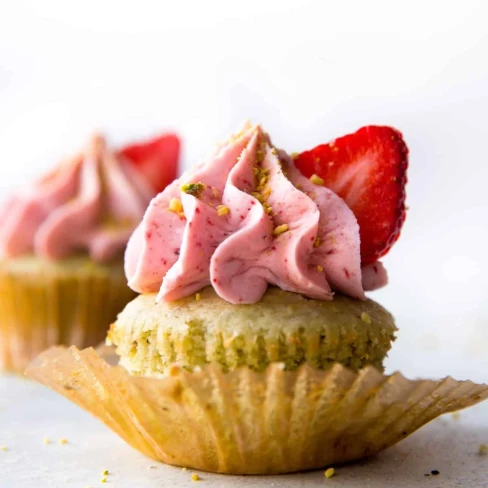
(368, 169)
(157, 159)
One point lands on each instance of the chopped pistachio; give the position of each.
(317, 180)
(175, 205)
(280, 229)
(328, 473)
(222, 210)
(194, 189)
(195, 477)
(317, 242)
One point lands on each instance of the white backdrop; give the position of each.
(309, 71)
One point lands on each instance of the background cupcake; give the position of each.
(62, 240)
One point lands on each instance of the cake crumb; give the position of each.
(198, 297)
(456, 416)
(46, 440)
(184, 469)
(63, 441)
(105, 472)
(365, 317)
(328, 473)
(195, 477)
(320, 268)
(317, 180)
(103, 480)
(3, 448)
(483, 450)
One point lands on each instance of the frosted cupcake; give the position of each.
(252, 347)
(62, 240)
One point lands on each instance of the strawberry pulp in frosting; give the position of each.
(244, 219)
(91, 202)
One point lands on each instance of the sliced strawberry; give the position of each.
(156, 159)
(368, 169)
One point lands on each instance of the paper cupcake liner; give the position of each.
(48, 305)
(253, 423)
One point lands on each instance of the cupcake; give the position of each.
(252, 347)
(62, 240)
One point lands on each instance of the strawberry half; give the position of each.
(157, 159)
(368, 169)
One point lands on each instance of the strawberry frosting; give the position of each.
(91, 202)
(244, 219)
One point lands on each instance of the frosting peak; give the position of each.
(92, 202)
(243, 219)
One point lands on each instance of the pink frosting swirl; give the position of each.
(251, 220)
(91, 202)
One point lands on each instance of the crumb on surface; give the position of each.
(198, 297)
(320, 268)
(328, 473)
(3, 448)
(195, 477)
(46, 440)
(194, 189)
(105, 472)
(435, 472)
(483, 450)
(103, 480)
(456, 416)
(317, 180)
(365, 317)
(63, 441)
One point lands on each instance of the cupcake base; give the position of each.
(44, 303)
(245, 422)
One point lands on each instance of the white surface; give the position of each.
(309, 71)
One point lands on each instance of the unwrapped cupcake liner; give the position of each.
(52, 305)
(245, 422)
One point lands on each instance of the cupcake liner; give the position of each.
(245, 422)
(43, 304)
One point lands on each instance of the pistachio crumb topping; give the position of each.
(280, 229)
(195, 477)
(317, 180)
(63, 441)
(175, 205)
(328, 473)
(194, 189)
(105, 472)
(317, 242)
(222, 210)
(320, 268)
(198, 297)
(365, 317)
(103, 480)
